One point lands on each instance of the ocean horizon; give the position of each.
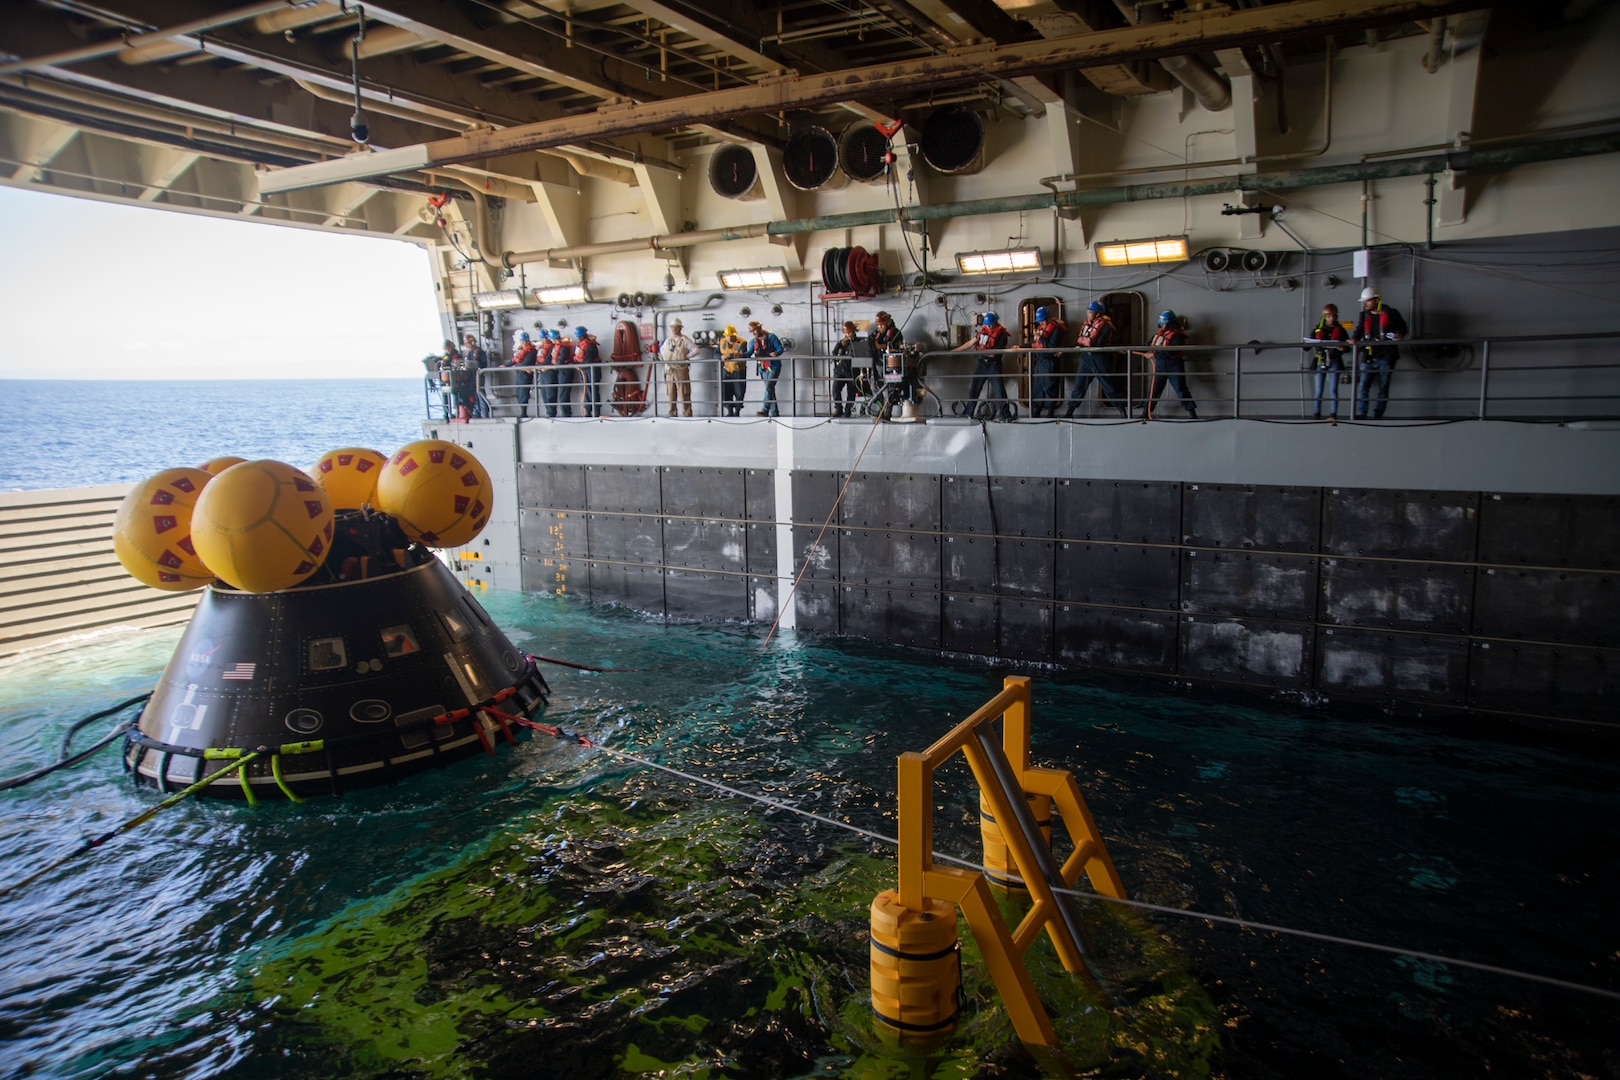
(66, 433)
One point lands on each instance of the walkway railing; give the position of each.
(1546, 378)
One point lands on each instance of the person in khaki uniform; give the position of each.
(677, 355)
(733, 372)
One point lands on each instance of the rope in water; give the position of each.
(93, 842)
(1185, 913)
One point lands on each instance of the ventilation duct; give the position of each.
(810, 160)
(733, 173)
(863, 152)
(953, 140)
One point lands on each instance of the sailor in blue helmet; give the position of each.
(991, 338)
(1096, 332)
(588, 355)
(524, 355)
(1169, 365)
(1045, 388)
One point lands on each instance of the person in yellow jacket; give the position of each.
(733, 372)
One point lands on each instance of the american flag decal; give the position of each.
(240, 672)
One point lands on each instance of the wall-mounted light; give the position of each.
(495, 301)
(563, 294)
(1139, 252)
(766, 277)
(1015, 261)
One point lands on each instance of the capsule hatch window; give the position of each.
(327, 654)
(399, 640)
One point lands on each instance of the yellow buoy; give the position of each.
(998, 860)
(215, 466)
(262, 526)
(349, 476)
(916, 967)
(437, 491)
(152, 531)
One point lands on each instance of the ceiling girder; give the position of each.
(1203, 31)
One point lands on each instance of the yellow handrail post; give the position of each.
(916, 827)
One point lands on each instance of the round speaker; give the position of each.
(1254, 260)
(1217, 259)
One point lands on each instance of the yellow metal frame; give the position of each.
(921, 880)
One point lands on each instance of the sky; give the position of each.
(102, 290)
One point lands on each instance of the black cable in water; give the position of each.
(64, 761)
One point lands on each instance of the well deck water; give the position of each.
(556, 911)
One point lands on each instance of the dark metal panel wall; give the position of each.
(1420, 599)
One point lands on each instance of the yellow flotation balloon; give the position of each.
(152, 531)
(437, 491)
(349, 476)
(220, 464)
(262, 526)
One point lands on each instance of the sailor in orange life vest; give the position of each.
(1095, 332)
(1169, 365)
(992, 335)
(587, 355)
(1328, 361)
(562, 355)
(549, 376)
(1045, 389)
(524, 355)
(1376, 323)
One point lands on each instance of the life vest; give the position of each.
(1048, 334)
(526, 356)
(1092, 330)
(992, 337)
(562, 352)
(586, 352)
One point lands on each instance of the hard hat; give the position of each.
(523, 335)
(731, 331)
(1040, 314)
(991, 318)
(1166, 317)
(579, 331)
(676, 325)
(1094, 306)
(884, 315)
(1369, 293)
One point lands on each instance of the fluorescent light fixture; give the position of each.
(1015, 261)
(766, 277)
(494, 301)
(357, 166)
(563, 294)
(1139, 252)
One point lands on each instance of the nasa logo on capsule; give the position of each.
(199, 658)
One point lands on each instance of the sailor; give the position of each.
(766, 349)
(677, 353)
(524, 355)
(1379, 323)
(1169, 365)
(843, 373)
(1328, 361)
(992, 336)
(587, 356)
(562, 357)
(476, 359)
(1045, 389)
(1095, 332)
(733, 372)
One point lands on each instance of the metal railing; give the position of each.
(1546, 377)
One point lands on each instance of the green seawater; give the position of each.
(555, 911)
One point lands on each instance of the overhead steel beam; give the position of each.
(1200, 32)
(119, 44)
